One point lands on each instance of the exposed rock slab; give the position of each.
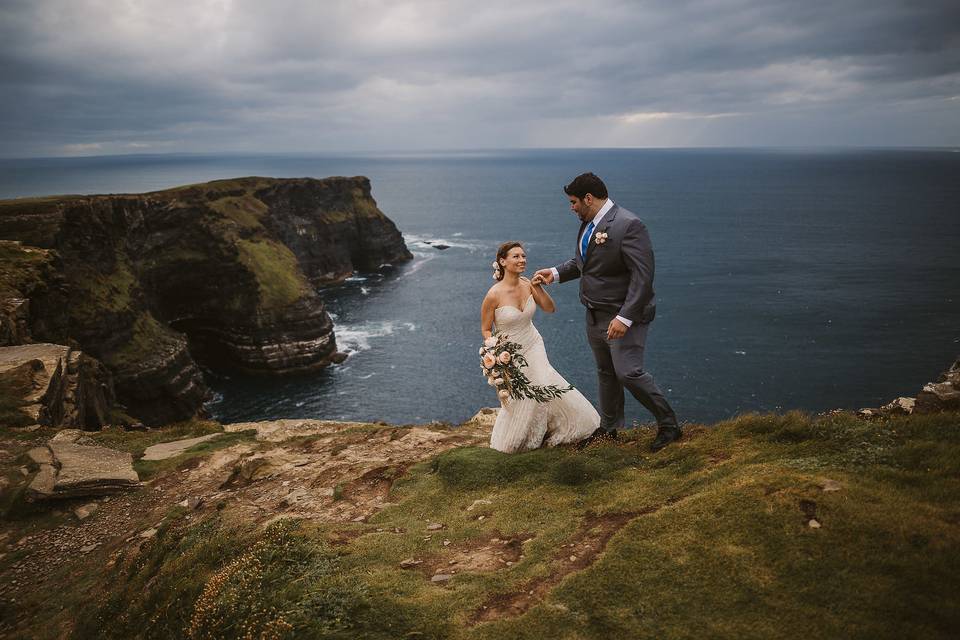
(280, 430)
(83, 470)
(40, 455)
(485, 417)
(342, 473)
(166, 450)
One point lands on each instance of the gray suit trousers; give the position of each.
(619, 367)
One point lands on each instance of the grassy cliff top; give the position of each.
(764, 526)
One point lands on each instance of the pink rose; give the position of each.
(504, 357)
(490, 342)
(489, 360)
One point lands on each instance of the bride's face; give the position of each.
(515, 262)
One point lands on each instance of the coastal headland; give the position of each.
(146, 286)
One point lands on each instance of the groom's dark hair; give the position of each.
(586, 183)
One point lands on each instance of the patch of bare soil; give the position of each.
(475, 556)
(587, 544)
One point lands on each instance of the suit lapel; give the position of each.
(604, 224)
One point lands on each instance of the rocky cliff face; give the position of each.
(223, 271)
(57, 386)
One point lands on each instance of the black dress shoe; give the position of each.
(599, 435)
(665, 436)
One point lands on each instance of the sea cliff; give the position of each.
(223, 272)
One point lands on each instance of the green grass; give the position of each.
(147, 338)
(276, 269)
(708, 538)
(244, 210)
(96, 293)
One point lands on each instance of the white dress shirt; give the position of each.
(596, 223)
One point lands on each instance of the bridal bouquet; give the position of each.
(503, 364)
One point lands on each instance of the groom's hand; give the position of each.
(543, 275)
(616, 330)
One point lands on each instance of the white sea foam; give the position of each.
(410, 326)
(356, 279)
(354, 338)
(365, 291)
(420, 259)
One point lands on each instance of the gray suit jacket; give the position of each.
(616, 276)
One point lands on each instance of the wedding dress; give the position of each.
(527, 424)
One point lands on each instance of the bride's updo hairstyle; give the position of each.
(501, 255)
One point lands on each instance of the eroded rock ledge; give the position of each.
(224, 271)
(57, 386)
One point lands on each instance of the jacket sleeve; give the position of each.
(568, 270)
(637, 253)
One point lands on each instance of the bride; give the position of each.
(527, 424)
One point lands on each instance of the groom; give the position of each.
(614, 261)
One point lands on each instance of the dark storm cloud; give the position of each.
(220, 74)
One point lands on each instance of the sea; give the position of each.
(807, 279)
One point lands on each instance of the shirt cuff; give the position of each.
(629, 323)
(556, 274)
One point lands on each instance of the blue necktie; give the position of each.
(586, 241)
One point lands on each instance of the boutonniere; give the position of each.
(600, 237)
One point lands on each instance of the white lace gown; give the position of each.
(527, 424)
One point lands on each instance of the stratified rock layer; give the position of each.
(223, 271)
(72, 469)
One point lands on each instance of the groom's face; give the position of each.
(583, 208)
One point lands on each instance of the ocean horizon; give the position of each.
(787, 278)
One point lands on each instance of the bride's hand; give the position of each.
(544, 276)
(537, 281)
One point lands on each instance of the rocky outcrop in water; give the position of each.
(224, 272)
(942, 395)
(934, 397)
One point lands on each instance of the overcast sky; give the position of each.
(83, 77)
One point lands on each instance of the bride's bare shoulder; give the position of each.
(527, 285)
(493, 294)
